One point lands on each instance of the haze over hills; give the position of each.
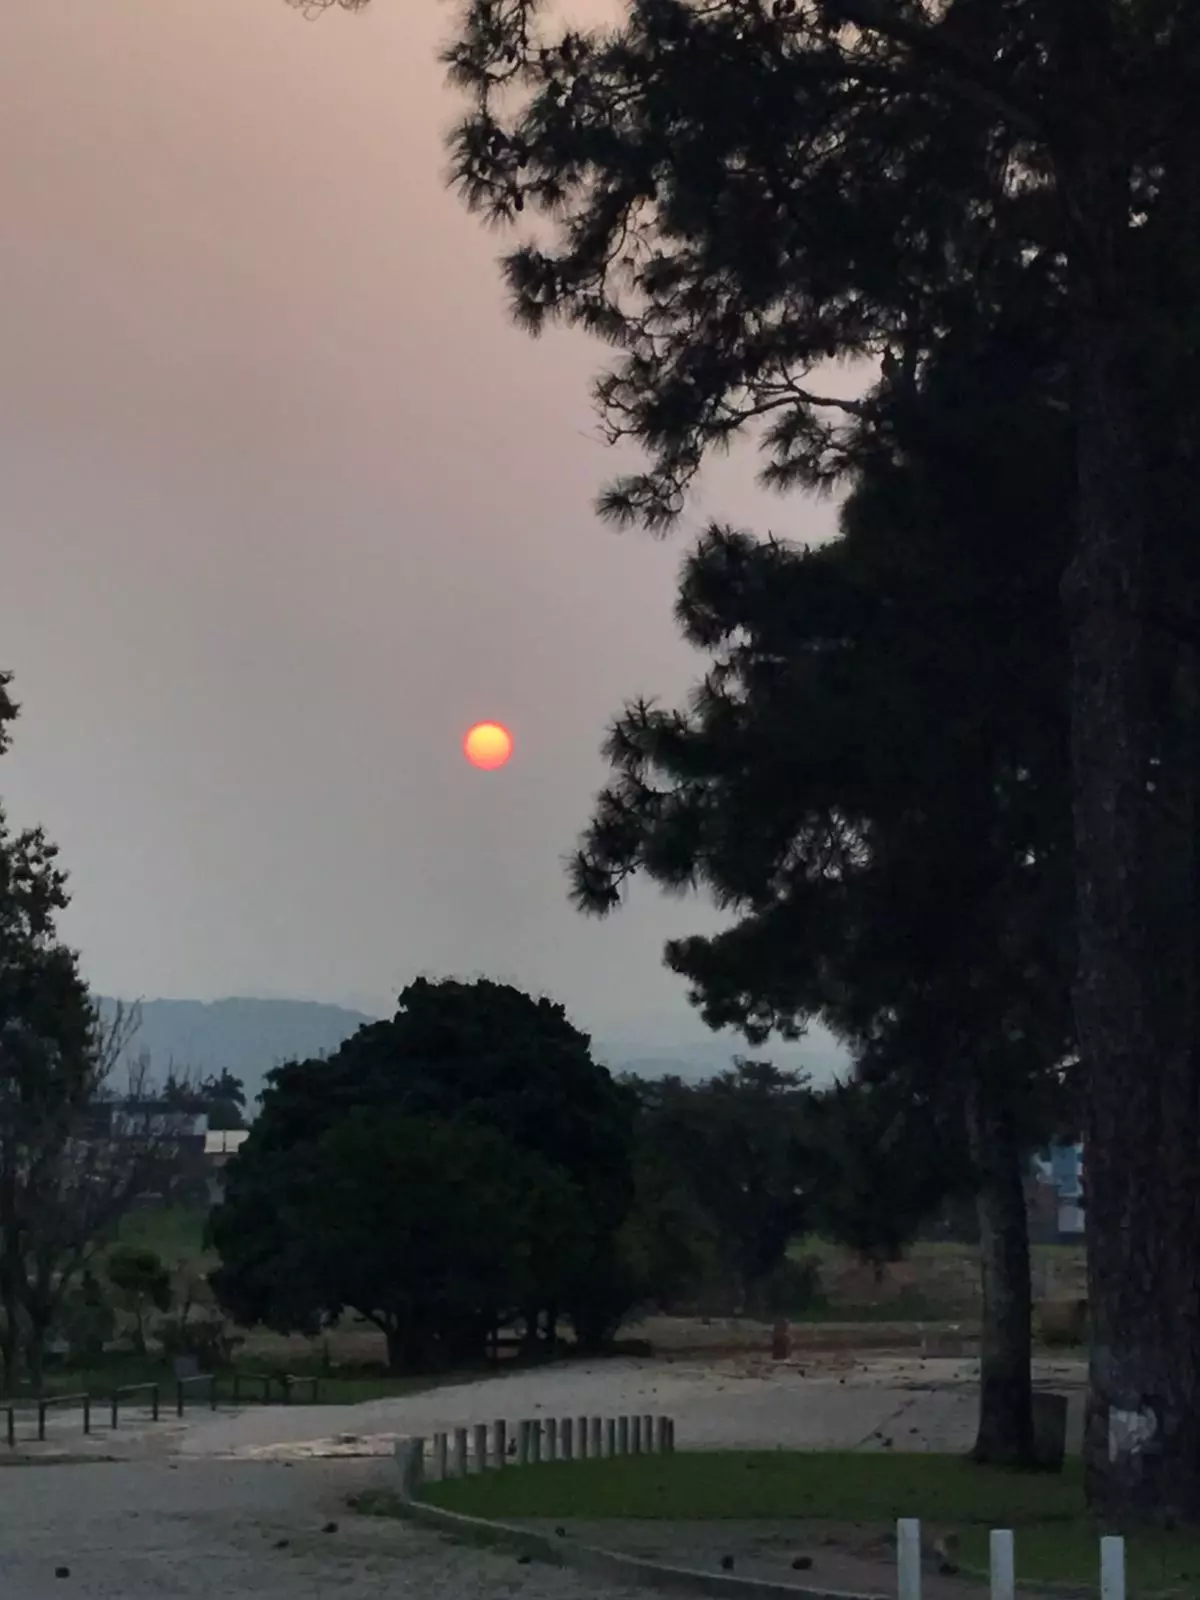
(248, 1036)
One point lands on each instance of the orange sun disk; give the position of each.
(488, 745)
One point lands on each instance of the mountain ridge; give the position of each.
(248, 1035)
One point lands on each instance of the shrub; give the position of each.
(86, 1319)
(142, 1284)
(210, 1339)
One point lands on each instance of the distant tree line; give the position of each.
(466, 1169)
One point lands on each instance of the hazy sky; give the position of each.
(288, 504)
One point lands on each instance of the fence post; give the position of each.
(458, 1466)
(908, 1559)
(610, 1436)
(522, 1444)
(535, 1440)
(12, 1427)
(113, 1408)
(179, 1397)
(648, 1434)
(622, 1436)
(1112, 1568)
(481, 1441)
(441, 1457)
(550, 1438)
(87, 1413)
(410, 1458)
(1003, 1565)
(584, 1442)
(635, 1435)
(597, 1436)
(212, 1392)
(154, 1403)
(42, 1421)
(566, 1439)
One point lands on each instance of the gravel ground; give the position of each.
(236, 1502)
(747, 1403)
(151, 1531)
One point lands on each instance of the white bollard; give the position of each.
(1112, 1568)
(635, 1435)
(597, 1436)
(441, 1458)
(459, 1463)
(669, 1424)
(581, 1433)
(566, 1439)
(535, 1440)
(908, 1559)
(622, 1436)
(410, 1458)
(500, 1443)
(610, 1436)
(1003, 1564)
(481, 1451)
(648, 1434)
(524, 1442)
(550, 1439)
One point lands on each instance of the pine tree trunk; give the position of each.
(1005, 1434)
(1135, 1001)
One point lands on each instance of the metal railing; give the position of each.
(45, 1401)
(265, 1379)
(182, 1385)
(259, 1387)
(129, 1389)
(289, 1380)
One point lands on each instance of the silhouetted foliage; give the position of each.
(873, 776)
(735, 192)
(461, 1060)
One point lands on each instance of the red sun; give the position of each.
(488, 745)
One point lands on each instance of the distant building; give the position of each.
(219, 1147)
(1059, 1169)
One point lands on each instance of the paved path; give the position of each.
(145, 1531)
(900, 1404)
(235, 1503)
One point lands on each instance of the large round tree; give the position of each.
(484, 1068)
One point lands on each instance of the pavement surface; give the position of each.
(149, 1531)
(236, 1502)
(846, 1560)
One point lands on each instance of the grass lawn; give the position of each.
(852, 1492)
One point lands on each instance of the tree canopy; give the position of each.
(505, 1089)
(64, 1184)
(873, 776)
(732, 193)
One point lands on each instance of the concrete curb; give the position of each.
(591, 1560)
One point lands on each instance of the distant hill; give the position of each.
(247, 1037)
(818, 1054)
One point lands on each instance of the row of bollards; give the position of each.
(1002, 1563)
(536, 1439)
